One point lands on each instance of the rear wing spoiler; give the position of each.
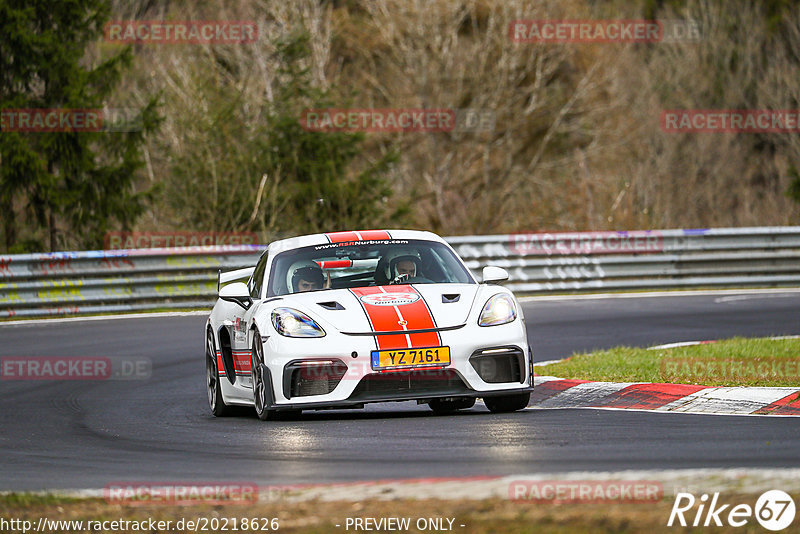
(232, 276)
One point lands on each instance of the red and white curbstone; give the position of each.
(553, 392)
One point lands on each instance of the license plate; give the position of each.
(401, 358)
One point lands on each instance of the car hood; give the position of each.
(383, 308)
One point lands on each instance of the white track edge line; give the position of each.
(647, 294)
(718, 414)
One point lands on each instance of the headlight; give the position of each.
(292, 323)
(500, 309)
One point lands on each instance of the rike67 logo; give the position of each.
(774, 510)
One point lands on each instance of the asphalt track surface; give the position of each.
(70, 434)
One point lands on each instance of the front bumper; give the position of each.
(359, 402)
(360, 384)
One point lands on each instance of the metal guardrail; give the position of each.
(70, 283)
(616, 261)
(91, 282)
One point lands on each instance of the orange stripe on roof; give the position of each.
(361, 235)
(374, 234)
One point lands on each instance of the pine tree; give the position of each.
(64, 188)
(271, 175)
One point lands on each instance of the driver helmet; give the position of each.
(398, 256)
(304, 270)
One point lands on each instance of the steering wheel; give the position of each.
(405, 279)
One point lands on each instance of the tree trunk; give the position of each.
(52, 224)
(9, 226)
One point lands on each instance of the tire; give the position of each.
(214, 390)
(507, 403)
(259, 384)
(448, 406)
(260, 387)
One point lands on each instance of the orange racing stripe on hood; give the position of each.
(398, 308)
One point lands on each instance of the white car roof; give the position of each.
(351, 235)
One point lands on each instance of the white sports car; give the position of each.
(341, 319)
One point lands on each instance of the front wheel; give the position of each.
(215, 400)
(261, 388)
(507, 403)
(259, 379)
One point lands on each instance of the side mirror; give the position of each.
(492, 274)
(236, 292)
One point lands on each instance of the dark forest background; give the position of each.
(216, 143)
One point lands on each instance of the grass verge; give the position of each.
(731, 362)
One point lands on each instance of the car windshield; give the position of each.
(357, 264)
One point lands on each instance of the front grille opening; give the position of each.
(496, 366)
(420, 381)
(312, 377)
